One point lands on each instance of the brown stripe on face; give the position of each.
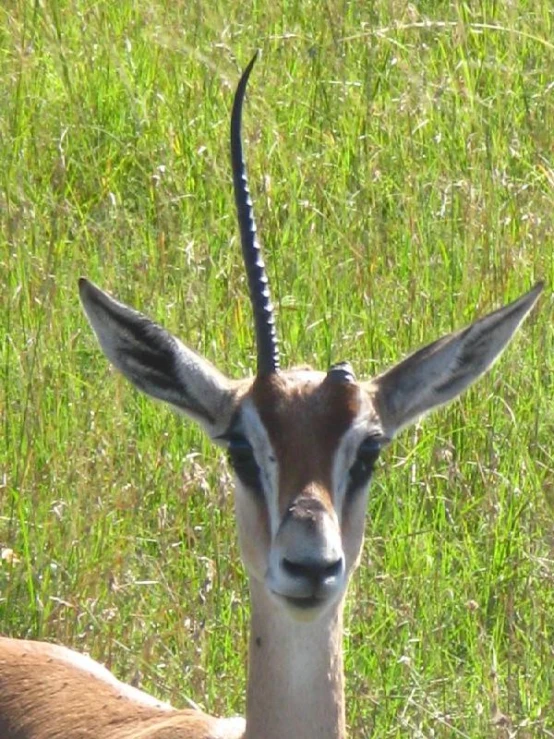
(305, 420)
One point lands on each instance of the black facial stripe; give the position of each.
(249, 477)
(361, 471)
(357, 486)
(241, 456)
(246, 468)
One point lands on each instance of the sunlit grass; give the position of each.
(401, 162)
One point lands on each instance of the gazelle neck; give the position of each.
(295, 678)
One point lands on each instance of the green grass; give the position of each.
(401, 158)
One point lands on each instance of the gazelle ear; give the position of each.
(439, 372)
(158, 363)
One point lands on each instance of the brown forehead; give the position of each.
(305, 421)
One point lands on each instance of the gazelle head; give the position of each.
(303, 444)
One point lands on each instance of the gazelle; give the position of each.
(303, 445)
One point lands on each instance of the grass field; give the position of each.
(402, 162)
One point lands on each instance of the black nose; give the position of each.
(317, 571)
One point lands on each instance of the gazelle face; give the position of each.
(303, 445)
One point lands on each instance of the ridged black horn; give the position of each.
(264, 321)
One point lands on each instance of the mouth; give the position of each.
(302, 608)
(304, 604)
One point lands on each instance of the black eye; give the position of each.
(243, 462)
(361, 470)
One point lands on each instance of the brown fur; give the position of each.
(44, 697)
(305, 422)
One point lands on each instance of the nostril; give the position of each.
(311, 570)
(296, 569)
(333, 569)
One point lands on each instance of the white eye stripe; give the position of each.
(346, 454)
(265, 456)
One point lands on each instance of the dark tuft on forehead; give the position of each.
(341, 372)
